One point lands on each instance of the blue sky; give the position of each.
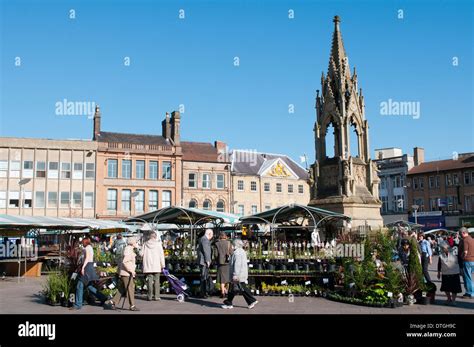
(191, 62)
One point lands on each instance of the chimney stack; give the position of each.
(175, 124)
(418, 156)
(166, 127)
(96, 123)
(221, 149)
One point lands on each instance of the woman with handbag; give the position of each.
(224, 251)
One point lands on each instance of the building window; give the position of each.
(206, 181)
(467, 203)
(290, 188)
(140, 169)
(240, 210)
(27, 199)
(472, 177)
(254, 209)
(52, 199)
(112, 169)
(268, 207)
(64, 199)
(450, 203)
(399, 203)
(126, 200)
(300, 189)
(3, 199)
(437, 181)
(126, 168)
(39, 200)
(166, 169)
(431, 182)
(89, 200)
(278, 188)
(140, 201)
(220, 181)
(28, 169)
(15, 166)
(449, 181)
(192, 203)
(455, 179)
(421, 182)
(40, 169)
(77, 174)
(152, 200)
(112, 196)
(433, 204)
(206, 205)
(66, 170)
(253, 186)
(220, 207)
(90, 170)
(384, 204)
(13, 199)
(415, 183)
(383, 183)
(53, 168)
(420, 203)
(3, 168)
(77, 199)
(396, 181)
(240, 185)
(467, 178)
(166, 198)
(192, 180)
(266, 187)
(153, 170)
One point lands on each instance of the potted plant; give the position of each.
(52, 290)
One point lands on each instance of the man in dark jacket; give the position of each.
(204, 260)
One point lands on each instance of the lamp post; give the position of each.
(134, 195)
(415, 210)
(22, 183)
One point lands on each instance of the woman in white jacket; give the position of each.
(239, 274)
(153, 262)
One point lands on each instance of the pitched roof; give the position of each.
(200, 151)
(463, 161)
(250, 163)
(106, 136)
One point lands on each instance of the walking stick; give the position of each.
(126, 291)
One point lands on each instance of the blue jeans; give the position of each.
(80, 294)
(468, 268)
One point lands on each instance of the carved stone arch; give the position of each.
(330, 119)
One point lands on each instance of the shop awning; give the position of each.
(17, 224)
(184, 216)
(289, 212)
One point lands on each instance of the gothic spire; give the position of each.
(338, 70)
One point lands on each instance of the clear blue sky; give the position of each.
(190, 62)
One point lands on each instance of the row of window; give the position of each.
(253, 209)
(449, 203)
(207, 205)
(206, 181)
(43, 169)
(126, 196)
(140, 173)
(54, 200)
(398, 181)
(398, 204)
(450, 180)
(266, 187)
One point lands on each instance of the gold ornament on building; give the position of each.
(279, 170)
